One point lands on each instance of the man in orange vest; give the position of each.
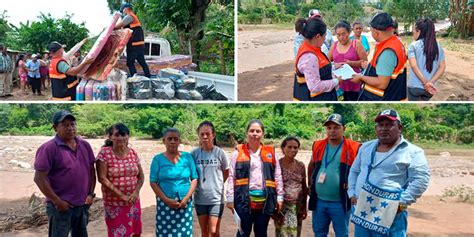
(385, 79)
(63, 76)
(328, 173)
(136, 44)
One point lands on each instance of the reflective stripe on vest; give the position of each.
(138, 43)
(243, 181)
(65, 98)
(70, 85)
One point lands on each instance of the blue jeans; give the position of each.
(325, 213)
(398, 228)
(73, 220)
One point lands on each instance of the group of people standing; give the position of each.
(383, 78)
(261, 185)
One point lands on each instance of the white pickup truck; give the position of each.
(158, 56)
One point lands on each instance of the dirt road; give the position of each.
(430, 216)
(266, 67)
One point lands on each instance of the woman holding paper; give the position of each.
(427, 62)
(255, 185)
(313, 77)
(350, 52)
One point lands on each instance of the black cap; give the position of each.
(61, 115)
(335, 118)
(125, 5)
(382, 21)
(54, 46)
(390, 114)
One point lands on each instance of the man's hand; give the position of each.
(89, 200)
(62, 206)
(357, 78)
(353, 200)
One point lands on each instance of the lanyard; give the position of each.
(326, 162)
(372, 157)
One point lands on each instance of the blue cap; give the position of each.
(125, 5)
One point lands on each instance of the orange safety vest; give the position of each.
(63, 86)
(396, 89)
(348, 155)
(300, 90)
(242, 202)
(137, 38)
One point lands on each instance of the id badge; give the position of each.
(322, 177)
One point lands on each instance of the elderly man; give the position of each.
(62, 75)
(328, 171)
(388, 174)
(6, 69)
(385, 79)
(65, 174)
(136, 44)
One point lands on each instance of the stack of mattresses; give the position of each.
(182, 62)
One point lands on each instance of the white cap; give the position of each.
(314, 13)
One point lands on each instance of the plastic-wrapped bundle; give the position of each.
(195, 95)
(163, 88)
(80, 90)
(172, 73)
(210, 93)
(88, 91)
(112, 90)
(119, 77)
(139, 87)
(157, 64)
(188, 83)
(183, 94)
(101, 91)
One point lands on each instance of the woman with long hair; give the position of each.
(213, 170)
(255, 186)
(121, 175)
(427, 62)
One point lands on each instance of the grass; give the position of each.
(457, 45)
(461, 193)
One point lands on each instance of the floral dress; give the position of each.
(122, 219)
(288, 223)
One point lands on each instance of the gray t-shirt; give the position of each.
(415, 50)
(127, 20)
(210, 167)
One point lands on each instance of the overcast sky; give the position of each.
(94, 13)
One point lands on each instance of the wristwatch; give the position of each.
(91, 194)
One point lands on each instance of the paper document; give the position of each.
(238, 222)
(345, 72)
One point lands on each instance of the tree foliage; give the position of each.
(36, 36)
(451, 123)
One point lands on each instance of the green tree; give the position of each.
(37, 35)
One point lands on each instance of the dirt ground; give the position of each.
(266, 67)
(430, 216)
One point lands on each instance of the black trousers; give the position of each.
(259, 222)
(35, 84)
(137, 54)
